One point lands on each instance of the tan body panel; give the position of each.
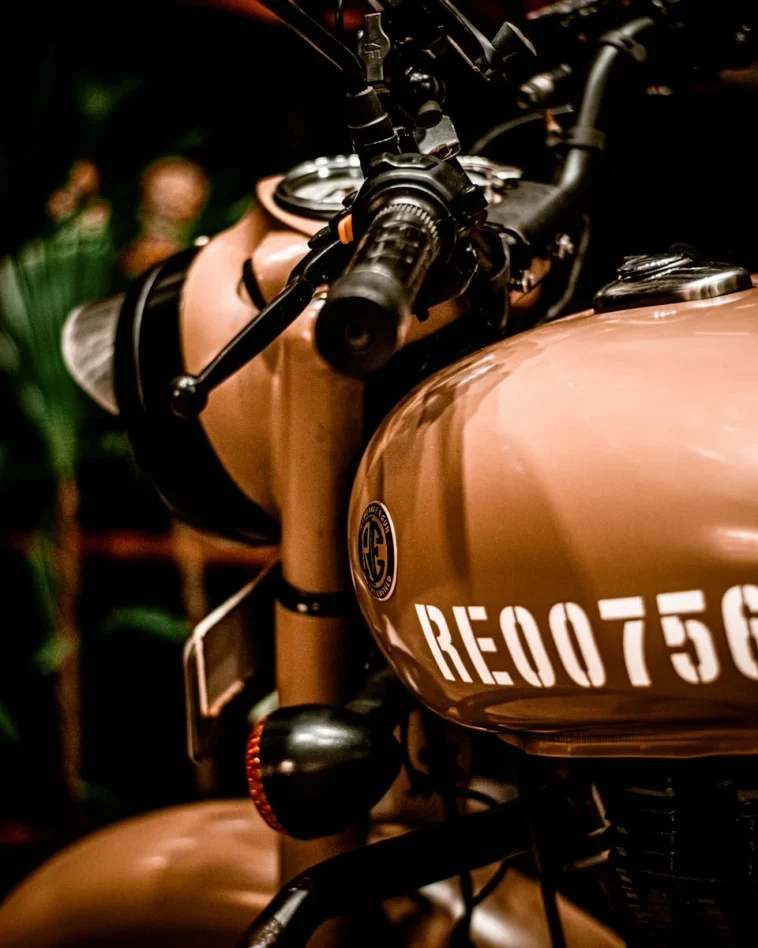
(265, 190)
(247, 416)
(606, 462)
(196, 876)
(189, 876)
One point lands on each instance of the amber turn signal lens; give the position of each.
(254, 779)
(314, 770)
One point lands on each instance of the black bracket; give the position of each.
(316, 605)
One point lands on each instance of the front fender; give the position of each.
(189, 876)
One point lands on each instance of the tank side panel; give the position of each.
(576, 528)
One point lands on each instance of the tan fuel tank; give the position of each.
(557, 538)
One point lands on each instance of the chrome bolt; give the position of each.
(564, 247)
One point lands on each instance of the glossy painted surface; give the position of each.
(195, 877)
(249, 416)
(189, 876)
(265, 193)
(605, 464)
(242, 440)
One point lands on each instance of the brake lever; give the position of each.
(470, 41)
(326, 260)
(442, 20)
(324, 42)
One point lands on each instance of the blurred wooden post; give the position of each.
(68, 672)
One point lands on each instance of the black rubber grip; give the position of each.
(358, 328)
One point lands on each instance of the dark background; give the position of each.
(244, 98)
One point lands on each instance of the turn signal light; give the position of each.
(314, 770)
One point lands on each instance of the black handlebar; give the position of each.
(410, 215)
(368, 307)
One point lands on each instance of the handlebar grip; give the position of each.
(369, 308)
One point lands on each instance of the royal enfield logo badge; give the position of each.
(378, 550)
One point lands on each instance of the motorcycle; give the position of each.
(544, 519)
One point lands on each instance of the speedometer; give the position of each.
(316, 189)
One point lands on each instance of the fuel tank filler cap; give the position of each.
(673, 277)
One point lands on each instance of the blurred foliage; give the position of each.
(38, 289)
(51, 653)
(168, 79)
(86, 247)
(154, 621)
(8, 729)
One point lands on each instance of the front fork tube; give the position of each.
(322, 419)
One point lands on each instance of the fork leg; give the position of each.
(321, 417)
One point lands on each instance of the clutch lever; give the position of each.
(326, 260)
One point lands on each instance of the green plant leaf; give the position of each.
(8, 730)
(104, 805)
(51, 655)
(147, 619)
(114, 444)
(9, 354)
(98, 100)
(38, 289)
(42, 568)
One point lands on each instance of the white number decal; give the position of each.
(691, 645)
(475, 646)
(561, 615)
(538, 672)
(632, 610)
(677, 631)
(741, 631)
(442, 642)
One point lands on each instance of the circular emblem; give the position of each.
(377, 550)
